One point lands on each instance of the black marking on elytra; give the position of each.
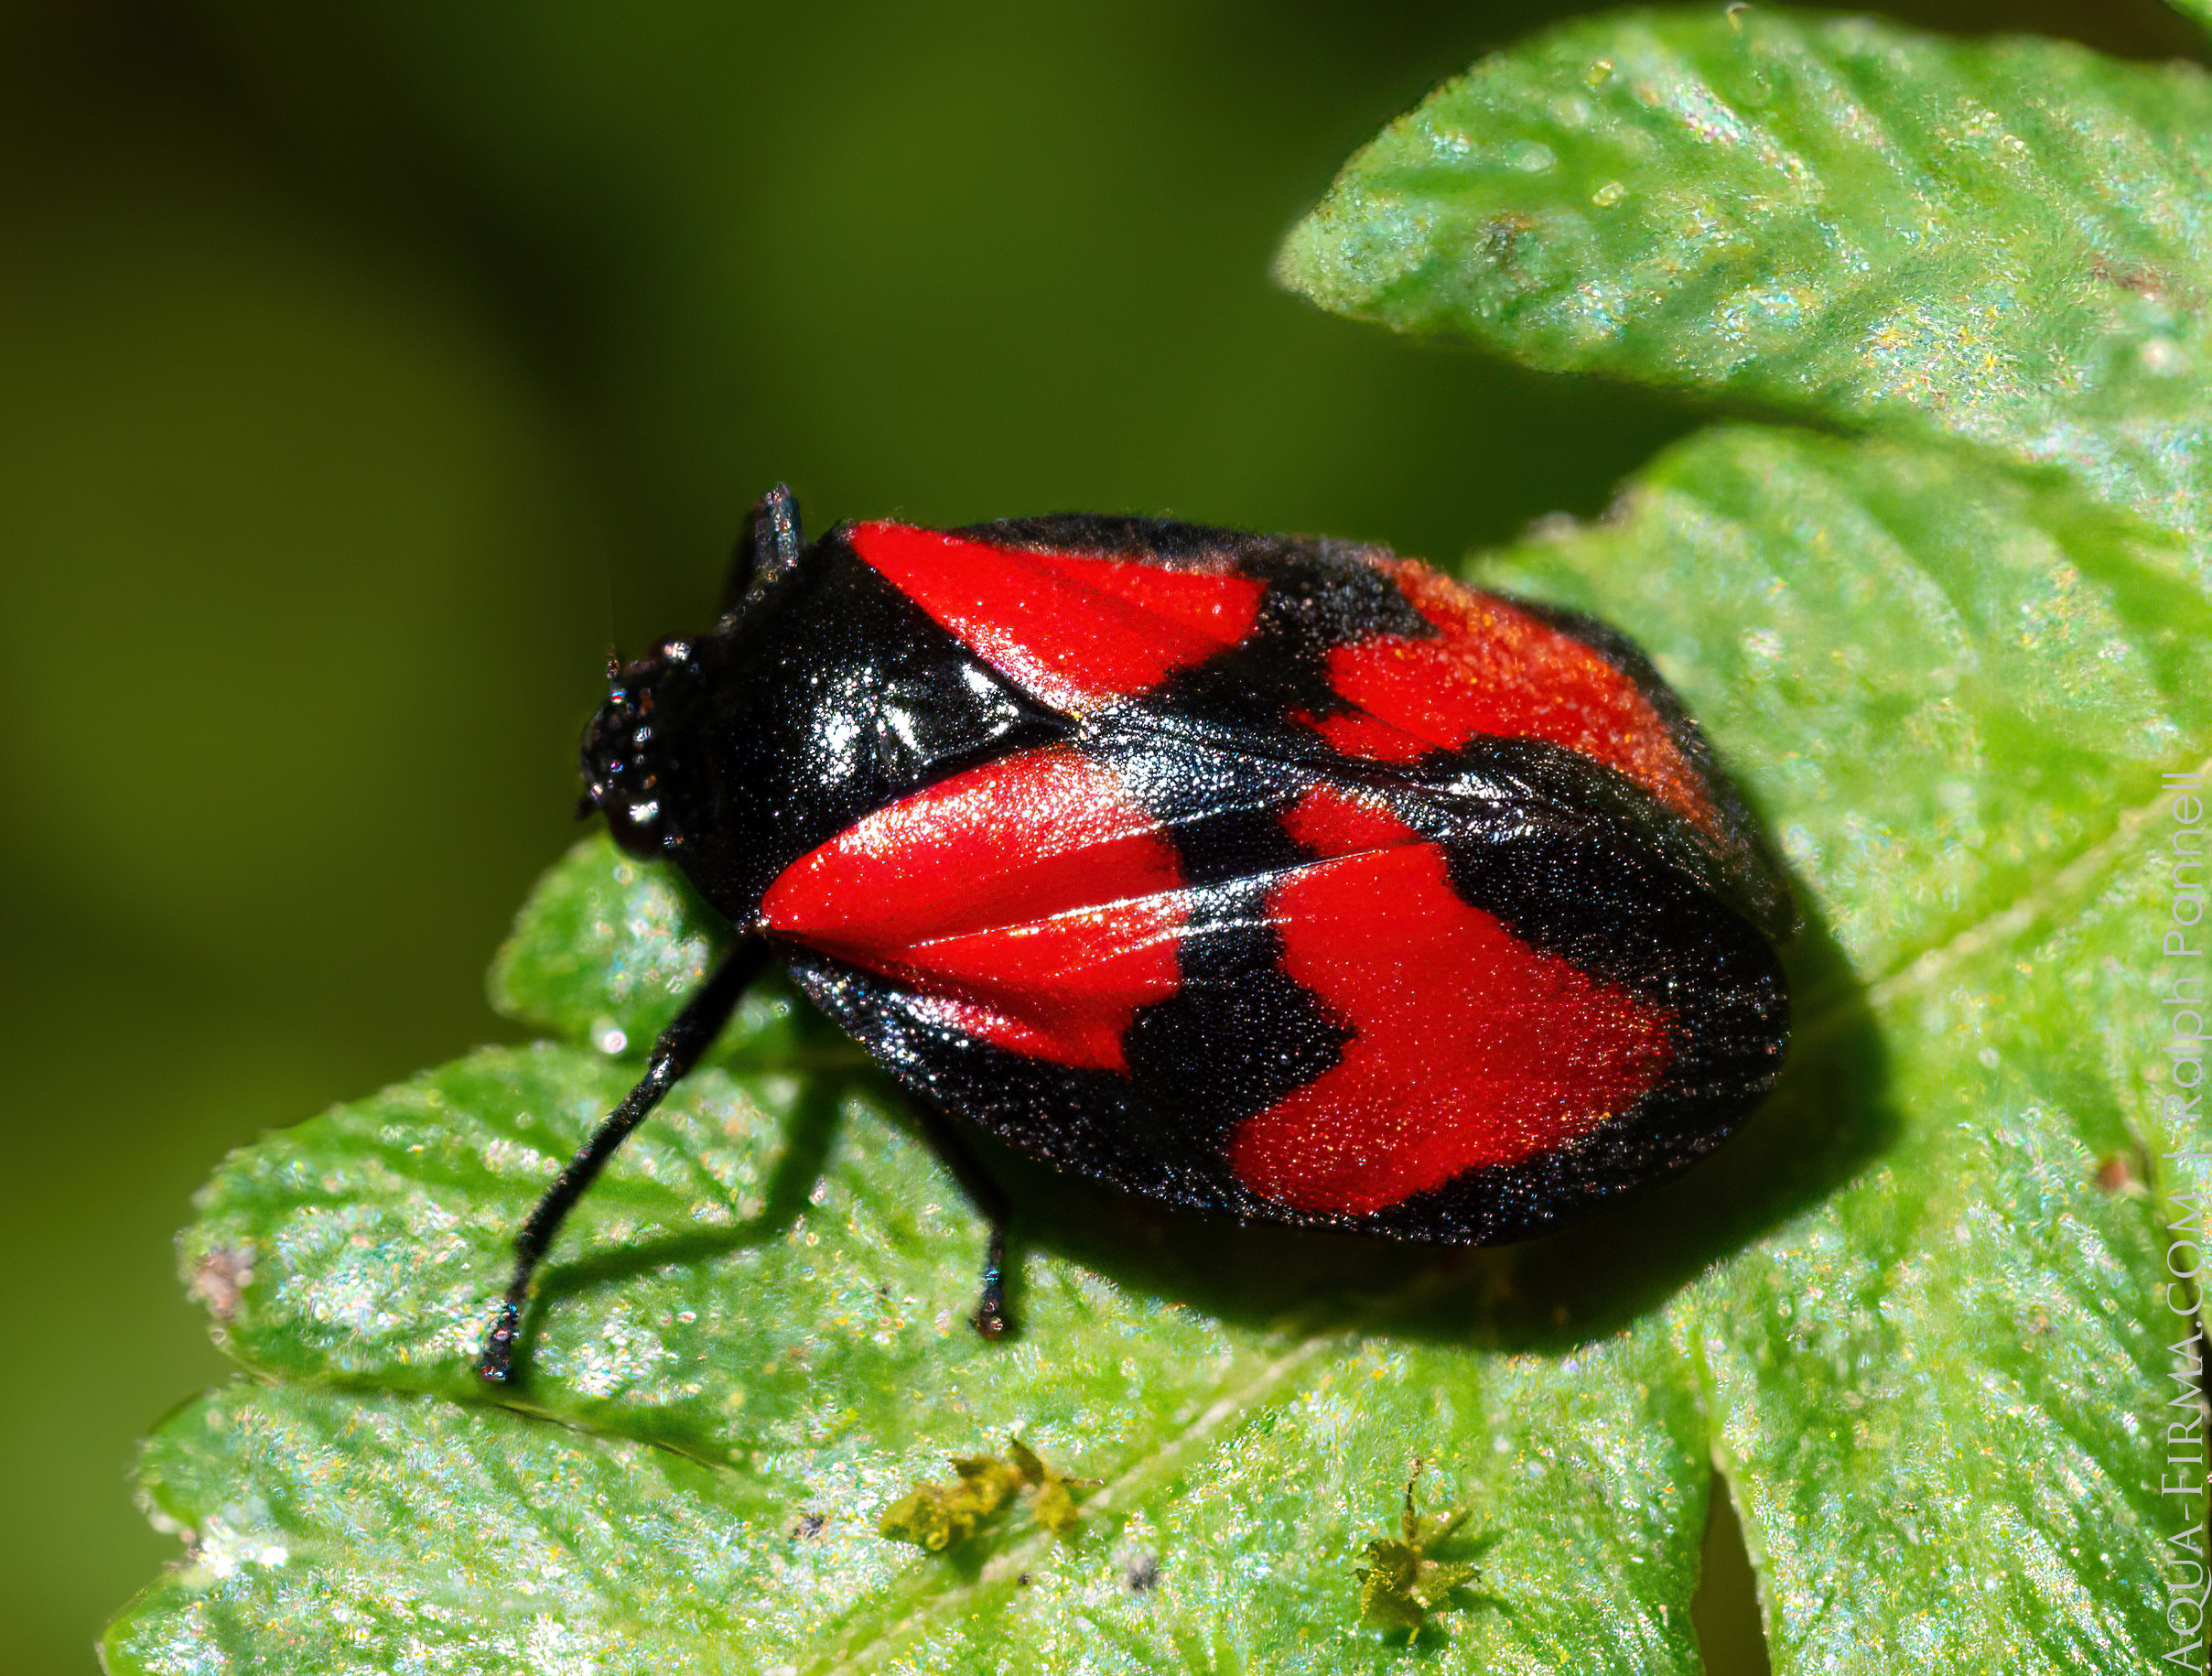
(1320, 596)
(1530, 787)
(1332, 594)
(1757, 880)
(1238, 1033)
(1091, 1122)
(1221, 809)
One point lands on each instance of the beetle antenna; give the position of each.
(674, 1052)
(768, 550)
(613, 630)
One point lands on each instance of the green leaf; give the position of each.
(2007, 243)
(1913, 1312)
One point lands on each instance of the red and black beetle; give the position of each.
(1276, 878)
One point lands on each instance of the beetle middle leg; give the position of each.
(990, 1319)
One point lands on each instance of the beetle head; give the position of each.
(627, 747)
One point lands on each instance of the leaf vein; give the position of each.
(2024, 911)
(922, 1602)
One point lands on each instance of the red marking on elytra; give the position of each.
(1470, 1048)
(1076, 629)
(1356, 733)
(1332, 821)
(1500, 671)
(1028, 901)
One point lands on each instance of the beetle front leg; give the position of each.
(673, 1053)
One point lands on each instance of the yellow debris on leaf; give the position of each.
(1401, 1586)
(935, 1517)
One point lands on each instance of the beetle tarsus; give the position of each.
(496, 1364)
(989, 1319)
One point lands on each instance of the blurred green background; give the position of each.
(370, 367)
